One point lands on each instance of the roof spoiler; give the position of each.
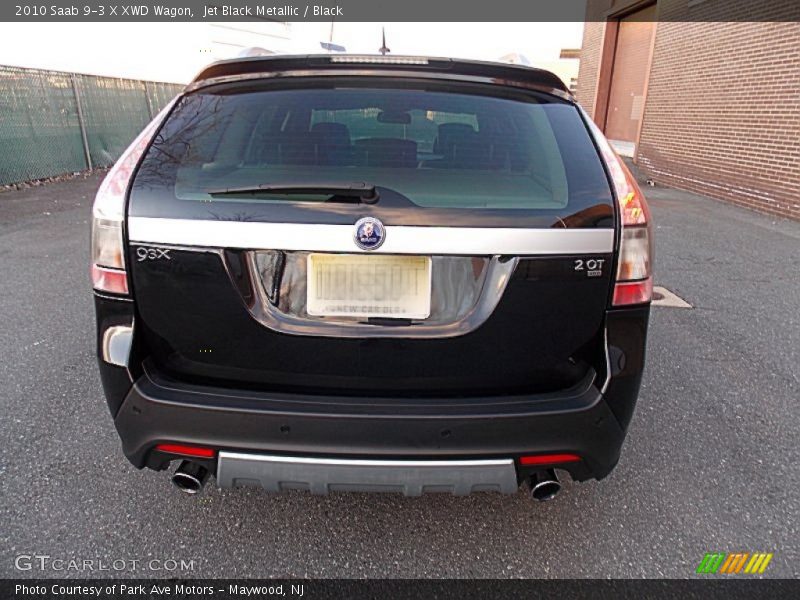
(458, 68)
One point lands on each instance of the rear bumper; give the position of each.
(149, 408)
(578, 421)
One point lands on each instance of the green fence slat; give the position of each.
(39, 126)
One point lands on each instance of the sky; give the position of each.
(175, 52)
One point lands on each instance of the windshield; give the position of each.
(436, 147)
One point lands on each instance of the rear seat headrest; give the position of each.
(450, 133)
(387, 152)
(332, 132)
(456, 128)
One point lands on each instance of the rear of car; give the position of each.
(365, 273)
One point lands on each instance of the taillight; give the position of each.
(108, 213)
(634, 282)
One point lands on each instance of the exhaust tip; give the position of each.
(186, 483)
(546, 490)
(190, 477)
(544, 485)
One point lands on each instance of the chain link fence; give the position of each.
(53, 123)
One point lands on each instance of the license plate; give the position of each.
(356, 285)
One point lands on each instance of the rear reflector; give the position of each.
(548, 459)
(183, 450)
(114, 281)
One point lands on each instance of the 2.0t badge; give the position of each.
(369, 234)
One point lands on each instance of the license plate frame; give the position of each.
(363, 286)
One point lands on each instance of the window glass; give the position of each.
(439, 149)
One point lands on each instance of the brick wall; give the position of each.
(722, 114)
(589, 71)
(590, 64)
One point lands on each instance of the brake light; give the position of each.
(633, 292)
(380, 60)
(108, 213)
(109, 280)
(634, 282)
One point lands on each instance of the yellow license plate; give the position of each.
(358, 285)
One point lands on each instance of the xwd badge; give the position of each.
(369, 234)
(592, 266)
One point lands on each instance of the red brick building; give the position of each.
(708, 106)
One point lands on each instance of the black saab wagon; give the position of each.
(372, 273)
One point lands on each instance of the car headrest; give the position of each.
(450, 133)
(387, 152)
(332, 133)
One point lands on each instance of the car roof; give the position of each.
(444, 68)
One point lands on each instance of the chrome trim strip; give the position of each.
(350, 462)
(492, 286)
(400, 239)
(106, 297)
(608, 360)
(116, 346)
(323, 475)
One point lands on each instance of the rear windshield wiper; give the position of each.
(366, 192)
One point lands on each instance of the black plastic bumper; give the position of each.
(149, 408)
(580, 421)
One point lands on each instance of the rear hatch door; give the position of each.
(389, 236)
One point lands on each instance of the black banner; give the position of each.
(390, 11)
(324, 589)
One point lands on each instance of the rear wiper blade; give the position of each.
(366, 192)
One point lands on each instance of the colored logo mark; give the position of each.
(737, 562)
(369, 234)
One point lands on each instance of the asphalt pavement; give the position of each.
(711, 462)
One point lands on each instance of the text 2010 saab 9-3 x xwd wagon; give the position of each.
(375, 274)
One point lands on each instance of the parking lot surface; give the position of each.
(711, 462)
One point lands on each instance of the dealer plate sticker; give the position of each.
(356, 285)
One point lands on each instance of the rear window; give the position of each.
(442, 147)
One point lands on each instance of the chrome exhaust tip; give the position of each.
(190, 477)
(544, 485)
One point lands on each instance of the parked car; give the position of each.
(372, 273)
